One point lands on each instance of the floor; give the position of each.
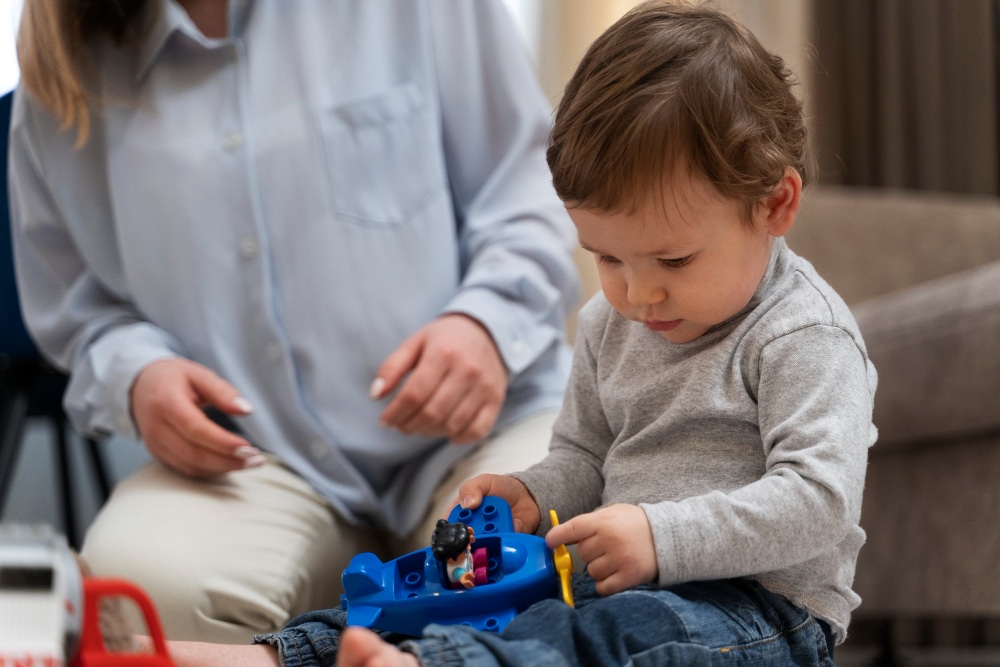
(952, 642)
(921, 657)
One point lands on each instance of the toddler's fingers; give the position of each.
(513, 491)
(616, 583)
(573, 531)
(470, 494)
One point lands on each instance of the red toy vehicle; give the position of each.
(49, 611)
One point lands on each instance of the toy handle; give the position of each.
(92, 652)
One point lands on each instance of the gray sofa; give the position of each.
(921, 273)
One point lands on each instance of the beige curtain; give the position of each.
(569, 26)
(905, 93)
(567, 29)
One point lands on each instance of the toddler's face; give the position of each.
(681, 265)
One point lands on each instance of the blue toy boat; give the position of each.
(406, 594)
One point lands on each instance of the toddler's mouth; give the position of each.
(660, 325)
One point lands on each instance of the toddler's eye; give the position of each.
(607, 259)
(675, 263)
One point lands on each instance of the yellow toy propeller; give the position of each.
(564, 565)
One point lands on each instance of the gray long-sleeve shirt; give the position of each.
(746, 447)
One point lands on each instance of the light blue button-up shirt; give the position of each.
(286, 206)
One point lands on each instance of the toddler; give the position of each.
(712, 447)
(713, 441)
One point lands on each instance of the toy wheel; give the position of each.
(564, 565)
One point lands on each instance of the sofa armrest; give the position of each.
(936, 347)
(869, 241)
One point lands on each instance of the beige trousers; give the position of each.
(227, 558)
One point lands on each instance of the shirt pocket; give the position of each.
(382, 156)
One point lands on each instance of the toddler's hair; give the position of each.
(671, 86)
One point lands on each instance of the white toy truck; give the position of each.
(49, 610)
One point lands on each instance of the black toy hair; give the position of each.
(449, 539)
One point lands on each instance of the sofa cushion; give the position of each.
(936, 347)
(870, 241)
(933, 548)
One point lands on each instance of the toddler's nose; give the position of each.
(645, 293)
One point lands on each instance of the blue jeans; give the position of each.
(730, 622)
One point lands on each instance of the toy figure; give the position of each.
(451, 544)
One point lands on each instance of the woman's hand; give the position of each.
(456, 385)
(167, 399)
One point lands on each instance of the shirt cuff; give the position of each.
(517, 333)
(98, 398)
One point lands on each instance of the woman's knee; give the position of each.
(217, 567)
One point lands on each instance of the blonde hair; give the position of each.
(671, 85)
(52, 52)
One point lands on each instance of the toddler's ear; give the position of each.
(780, 208)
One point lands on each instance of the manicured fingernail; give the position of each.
(242, 404)
(255, 461)
(246, 452)
(375, 391)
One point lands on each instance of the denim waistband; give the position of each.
(831, 640)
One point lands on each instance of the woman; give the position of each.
(308, 252)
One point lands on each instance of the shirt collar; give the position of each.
(165, 17)
(772, 274)
(162, 19)
(239, 10)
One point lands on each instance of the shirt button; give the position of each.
(319, 449)
(520, 348)
(249, 247)
(232, 141)
(274, 352)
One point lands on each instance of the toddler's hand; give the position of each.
(522, 505)
(617, 544)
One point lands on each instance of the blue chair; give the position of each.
(29, 386)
